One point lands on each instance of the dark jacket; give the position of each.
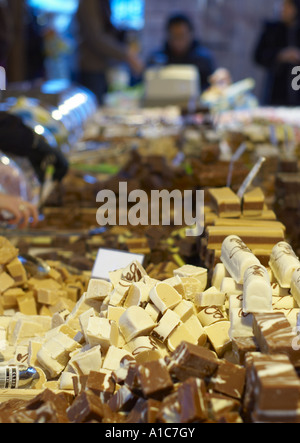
(278, 90)
(198, 56)
(5, 31)
(99, 40)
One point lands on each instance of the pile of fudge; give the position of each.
(186, 349)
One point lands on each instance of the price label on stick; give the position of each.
(251, 176)
(236, 156)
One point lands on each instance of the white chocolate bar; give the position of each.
(257, 294)
(283, 262)
(195, 272)
(165, 297)
(218, 335)
(66, 381)
(103, 332)
(169, 321)
(230, 287)
(180, 334)
(87, 360)
(240, 323)
(211, 315)
(135, 322)
(219, 274)
(196, 329)
(153, 311)
(184, 310)
(138, 294)
(141, 344)
(176, 283)
(210, 297)
(237, 257)
(287, 302)
(295, 285)
(98, 289)
(113, 358)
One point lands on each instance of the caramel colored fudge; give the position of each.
(225, 202)
(253, 203)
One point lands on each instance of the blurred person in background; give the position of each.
(182, 48)
(100, 45)
(278, 51)
(6, 33)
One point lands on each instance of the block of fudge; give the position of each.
(169, 411)
(253, 203)
(221, 406)
(229, 380)
(254, 237)
(123, 400)
(225, 202)
(274, 335)
(241, 346)
(154, 379)
(190, 360)
(86, 407)
(192, 400)
(144, 411)
(272, 389)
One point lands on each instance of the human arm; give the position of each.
(23, 213)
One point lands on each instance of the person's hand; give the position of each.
(135, 63)
(24, 213)
(289, 55)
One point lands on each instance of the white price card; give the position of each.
(109, 260)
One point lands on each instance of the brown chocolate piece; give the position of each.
(169, 411)
(229, 380)
(190, 360)
(192, 400)
(123, 400)
(132, 381)
(241, 346)
(79, 384)
(101, 384)
(145, 411)
(220, 406)
(272, 390)
(275, 335)
(49, 401)
(154, 379)
(86, 407)
(9, 408)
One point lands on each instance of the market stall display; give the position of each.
(215, 316)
